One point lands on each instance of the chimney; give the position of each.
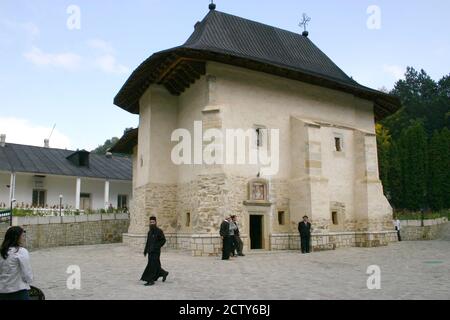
(2, 140)
(46, 143)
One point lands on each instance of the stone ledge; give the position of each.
(255, 203)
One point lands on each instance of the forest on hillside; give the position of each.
(414, 145)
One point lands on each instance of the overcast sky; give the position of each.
(52, 72)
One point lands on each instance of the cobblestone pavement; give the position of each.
(409, 270)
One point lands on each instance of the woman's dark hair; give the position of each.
(12, 239)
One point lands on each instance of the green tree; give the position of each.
(445, 140)
(437, 174)
(395, 177)
(109, 144)
(106, 146)
(422, 99)
(414, 168)
(384, 143)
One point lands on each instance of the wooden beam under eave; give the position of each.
(171, 89)
(166, 69)
(193, 72)
(185, 73)
(199, 67)
(181, 79)
(177, 84)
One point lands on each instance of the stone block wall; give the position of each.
(333, 240)
(49, 232)
(190, 214)
(157, 200)
(412, 230)
(3, 228)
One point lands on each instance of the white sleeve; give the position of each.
(25, 266)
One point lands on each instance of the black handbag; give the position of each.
(36, 294)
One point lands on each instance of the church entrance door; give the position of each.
(256, 232)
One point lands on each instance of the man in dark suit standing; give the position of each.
(304, 227)
(227, 240)
(155, 241)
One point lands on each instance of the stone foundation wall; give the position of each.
(211, 245)
(153, 200)
(182, 241)
(135, 242)
(200, 245)
(3, 228)
(190, 214)
(49, 232)
(332, 241)
(412, 230)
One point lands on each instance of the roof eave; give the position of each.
(385, 104)
(126, 143)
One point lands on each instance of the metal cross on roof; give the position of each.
(304, 23)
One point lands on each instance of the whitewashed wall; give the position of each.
(4, 191)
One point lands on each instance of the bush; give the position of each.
(23, 213)
(408, 215)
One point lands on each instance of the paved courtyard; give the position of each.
(409, 270)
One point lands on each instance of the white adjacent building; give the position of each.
(43, 177)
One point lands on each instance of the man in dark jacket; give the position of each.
(227, 239)
(155, 241)
(304, 228)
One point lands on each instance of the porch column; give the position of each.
(106, 194)
(12, 187)
(77, 194)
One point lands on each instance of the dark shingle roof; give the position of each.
(38, 160)
(237, 36)
(237, 41)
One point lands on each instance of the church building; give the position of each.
(316, 122)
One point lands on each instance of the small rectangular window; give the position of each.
(334, 217)
(281, 218)
(188, 219)
(338, 144)
(261, 136)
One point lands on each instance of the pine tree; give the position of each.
(436, 174)
(395, 177)
(383, 144)
(445, 141)
(413, 145)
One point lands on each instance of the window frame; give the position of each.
(39, 204)
(188, 220)
(338, 137)
(282, 214)
(120, 204)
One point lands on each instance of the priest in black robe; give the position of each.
(304, 227)
(155, 241)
